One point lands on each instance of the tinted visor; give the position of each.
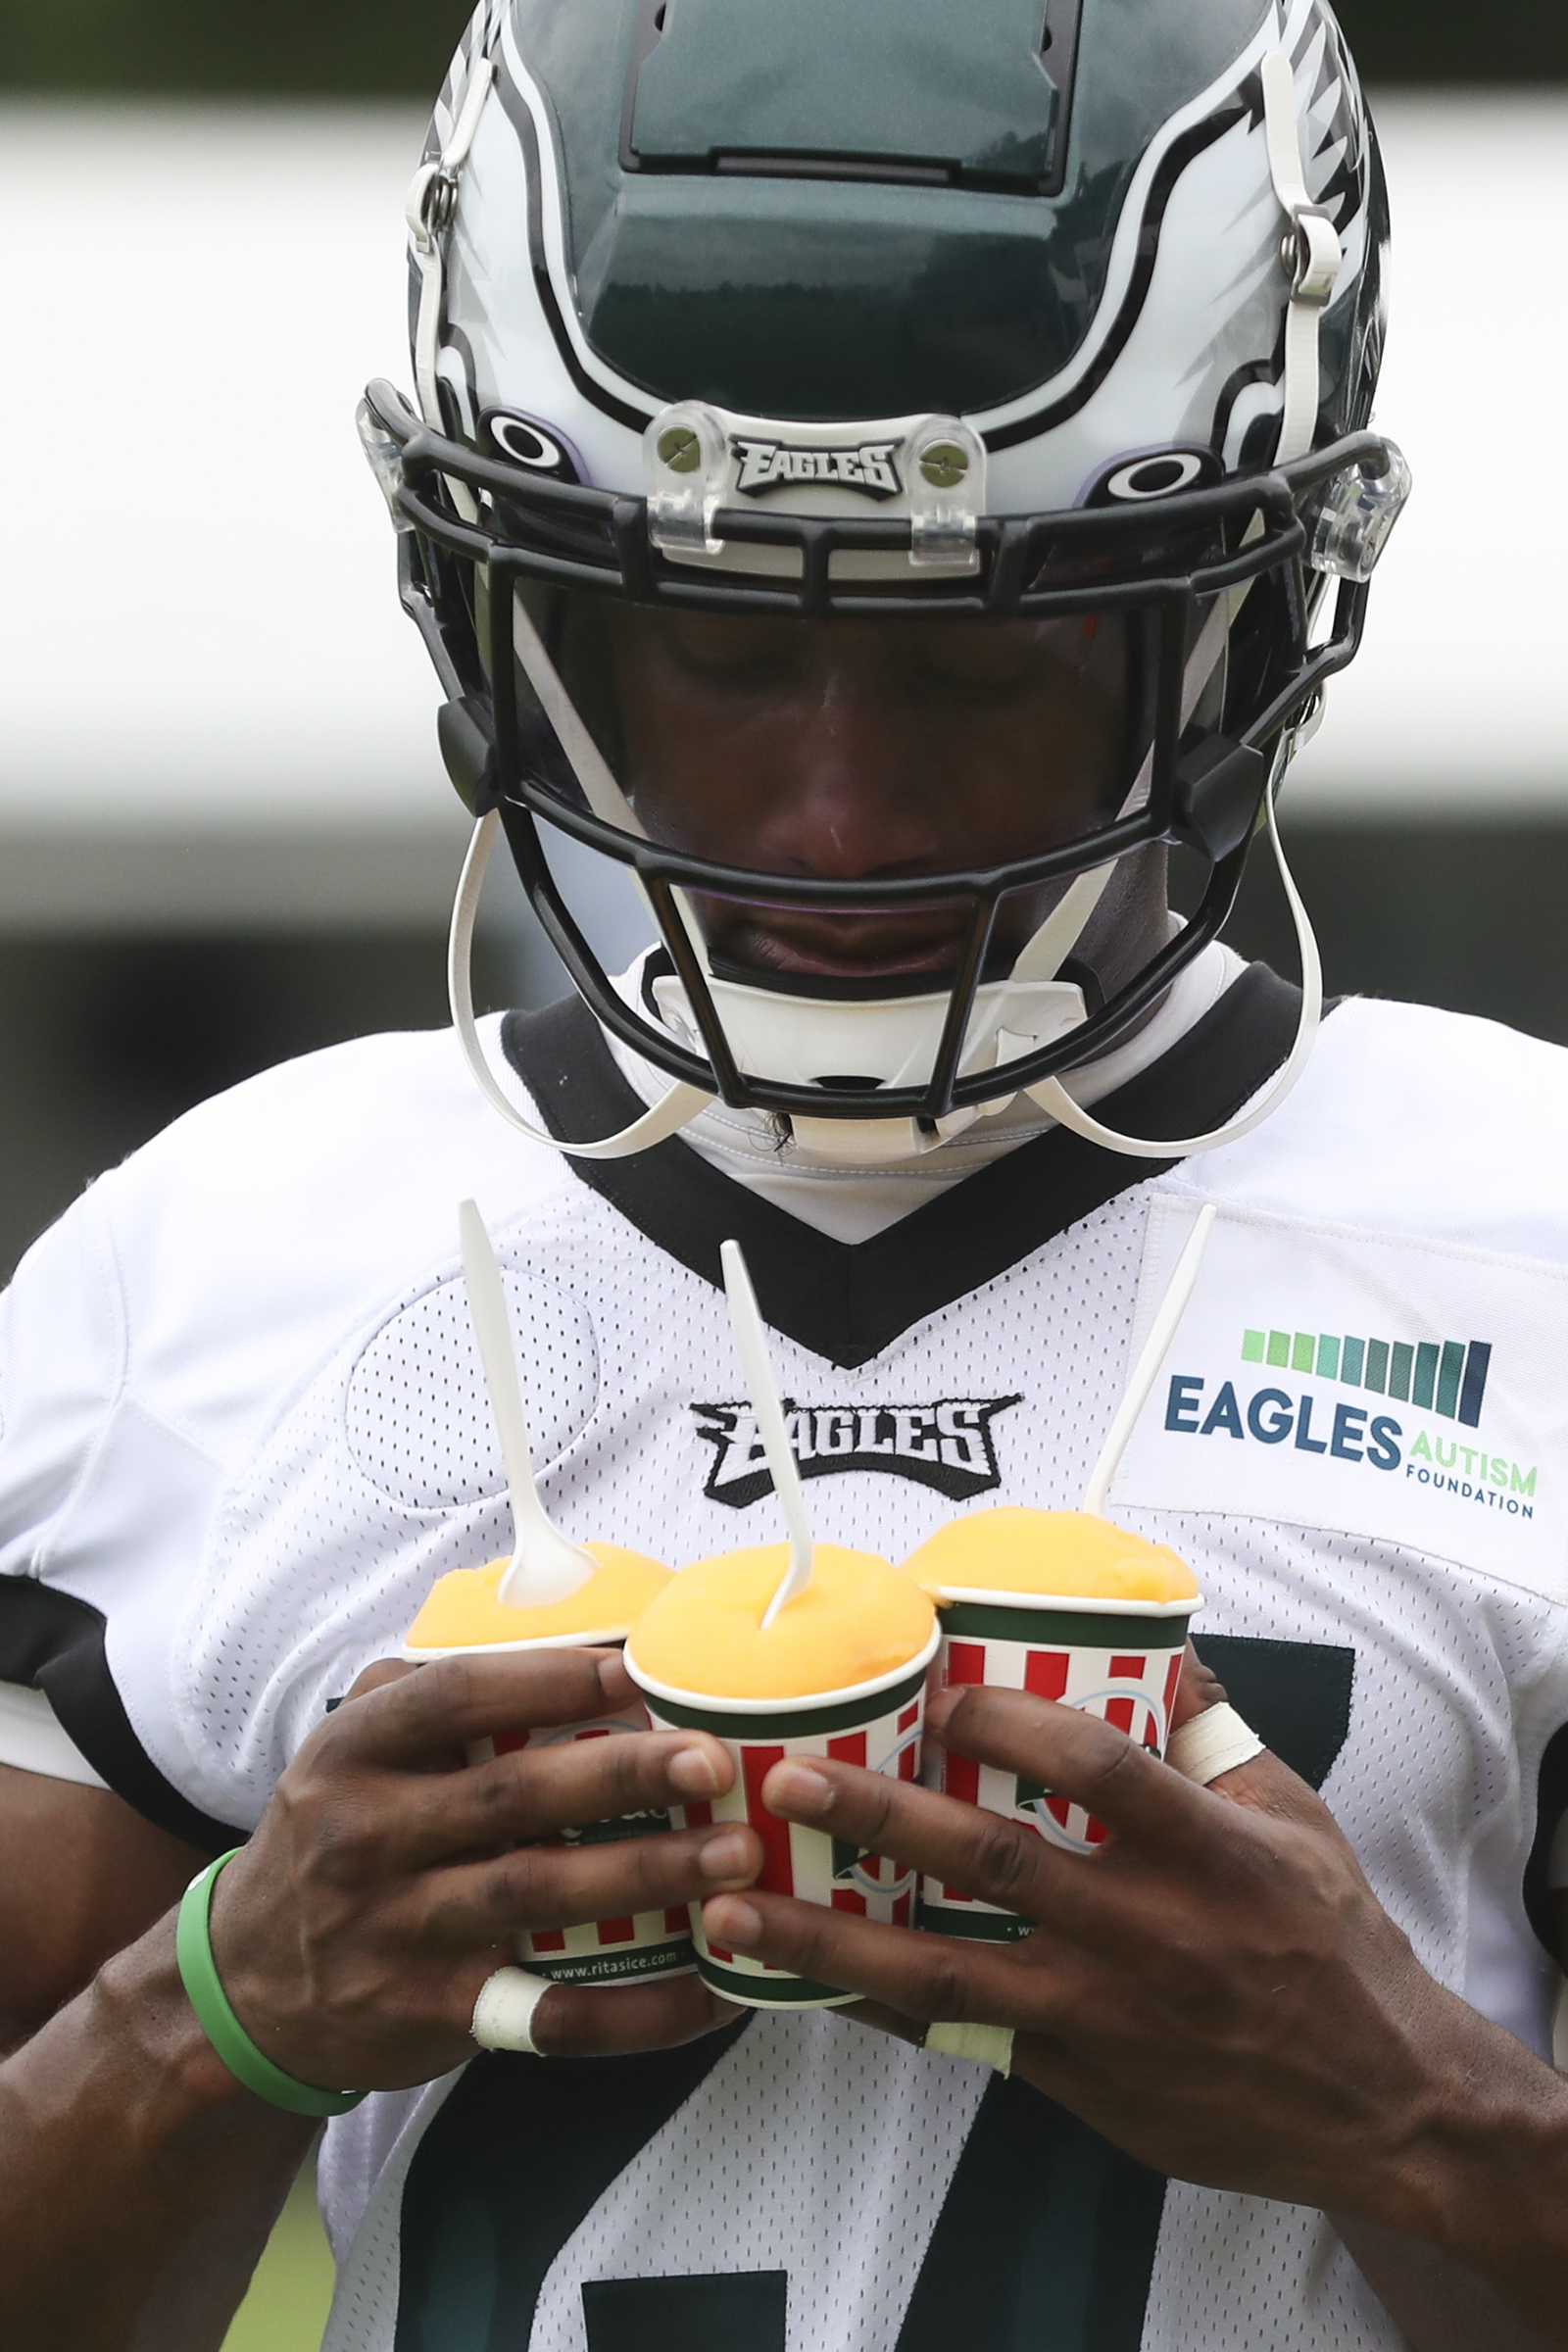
(848, 749)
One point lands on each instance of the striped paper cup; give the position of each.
(608, 1951)
(1118, 1659)
(877, 1724)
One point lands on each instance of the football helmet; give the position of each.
(1033, 339)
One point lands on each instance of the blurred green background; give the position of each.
(286, 2308)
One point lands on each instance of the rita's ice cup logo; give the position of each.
(1412, 1406)
(1072, 1608)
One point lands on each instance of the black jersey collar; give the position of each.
(848, 1301)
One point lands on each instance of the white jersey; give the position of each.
(245, 1429)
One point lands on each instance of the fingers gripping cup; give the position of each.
(551, 1593)
(840, 1672)
(1074, 1609)
(466, 1616)
(791, 1649)
(1068, 1606)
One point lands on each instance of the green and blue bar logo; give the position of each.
(1444, 1375)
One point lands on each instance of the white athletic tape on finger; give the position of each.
(1215, 1741)
(988, 2045)
(502, 2015)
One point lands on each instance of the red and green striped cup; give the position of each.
(1118, 1659)
(606, 1951)
(874, 1724)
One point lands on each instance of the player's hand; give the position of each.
(387, 1878)
(1215, 1989)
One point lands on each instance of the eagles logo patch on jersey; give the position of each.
(947, 1444)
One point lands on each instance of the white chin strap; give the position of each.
(893, 1041)
(1312, 254)
(670, 1112)
(428, 209)
(1053, 1095)
(862, 1140)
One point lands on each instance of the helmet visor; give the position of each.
(860, 752)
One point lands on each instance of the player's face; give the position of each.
(860, 751)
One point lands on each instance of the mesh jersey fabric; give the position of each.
(244, 1420)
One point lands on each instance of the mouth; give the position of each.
(916, 944)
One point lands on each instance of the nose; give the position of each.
(852, 798)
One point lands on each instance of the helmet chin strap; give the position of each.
(1053, 1097)
(1312, 254)
(671, 1111)
(1008, 1019)
(432, 202)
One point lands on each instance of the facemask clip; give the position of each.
(685, 462)
(946, 464)
(1359, 511)
(385, 461)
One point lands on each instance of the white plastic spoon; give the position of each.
(1146, 1371)
(751, 1345)
(544, 1566)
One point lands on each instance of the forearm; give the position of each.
(139, 2181)
(1437, 2304)
(1467, 2249)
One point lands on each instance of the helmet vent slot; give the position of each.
(895, 90)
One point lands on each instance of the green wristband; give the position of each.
(199, 1973)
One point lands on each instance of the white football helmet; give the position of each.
(1056, 318)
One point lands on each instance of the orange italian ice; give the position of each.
(859, 1617)
(465, 1611)
(1066, 1555)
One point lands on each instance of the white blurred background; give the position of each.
(224, 829)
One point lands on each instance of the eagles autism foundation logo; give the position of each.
(947, 1444)
(1445, 1378)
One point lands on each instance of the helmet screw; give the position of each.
(679, 449)
(944, 464)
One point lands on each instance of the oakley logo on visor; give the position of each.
(1153, 473)
(529, 444)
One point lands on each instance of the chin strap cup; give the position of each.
(1218, 789)
(467, 753)
(861, 1142)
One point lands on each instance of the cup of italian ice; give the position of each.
(840, 1672)
(466, 1616)
(1068, 1606)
